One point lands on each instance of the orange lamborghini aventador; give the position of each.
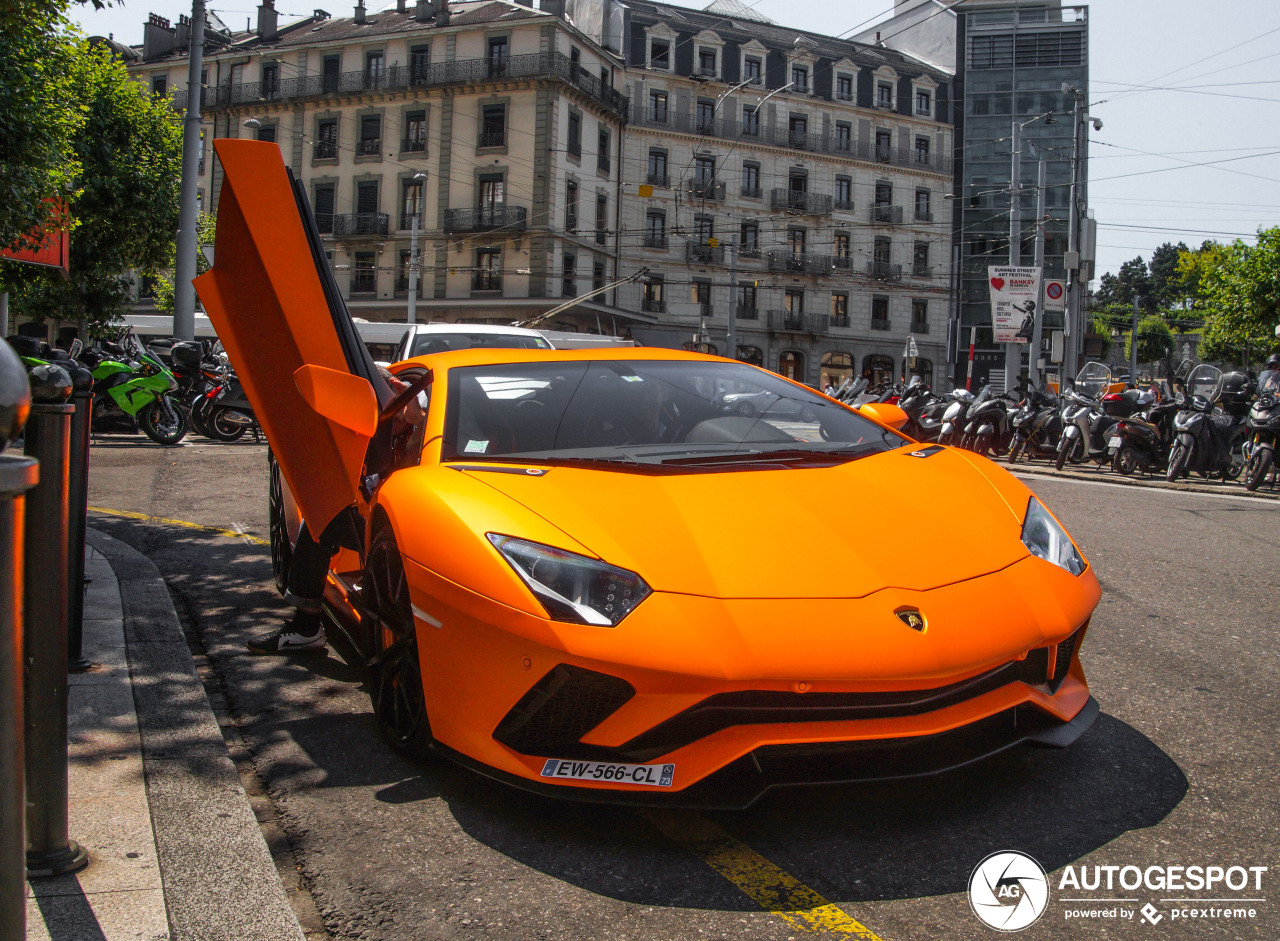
(587, 573)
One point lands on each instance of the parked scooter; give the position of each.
(1263, 429)
(987, 422)
(1141, 441)
(1037, 425)
(227, 412)
(1207, 439)
(953, 418)
(1084, 421)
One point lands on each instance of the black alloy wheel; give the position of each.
(224, 429)
(1015, 448)
(161, 425)
(1255, 472)
(278, 527)
(1064, 446)
(1125, 460)
(395, 676)
(1179, 454)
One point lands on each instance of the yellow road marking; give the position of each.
(255, 540)
(768, 886)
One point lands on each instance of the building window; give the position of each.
(602, 218)
(749, 237)
(651, 297)
(374, 69)
(367, 206)
(884, 193)
(331, 73)
(706, 61)
(884, 95)
(840, 246)
(752, 70)
(571, 205)
(364, 275)
(844, 136)
(569, 275)
(880, 317)
(324, 202)
(419, 65)
(800, 78)
(924, 369)
(836, 368)
(487, 275)
(575, 134)
(796, 240)
(327, 140)
(655, 229)
(923, 212)
(658, 107)
(700, 294)
(751, 180)
(839, 310)
(877, 367)
(751, 355)
(706, 116)
(602, 151)
(844, 87)
(270, 79)
(884, 145)
(922, 150)
(493, 126)
(844, 193)
(923, 102)
(920, 261)
(370, 144)
(745, 308)
(659, 54)
(798, 126)
(791, 365)
(657, 175)
(160, 85)
(411, 204)
(751, 121)
(704, 176)
(793, 301)
(919, 316)
(499, 53)
(415, 133)
(597, 274)
(267, 133)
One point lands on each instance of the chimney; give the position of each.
(554, 7)
(182, 33)
(268, 20)
(157, 37)
(359, 18)
(442, 14)
(400, 6)
(424, 11)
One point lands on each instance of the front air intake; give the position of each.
(551, 718)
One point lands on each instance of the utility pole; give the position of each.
(413, 271)
(1013, 351)
(1073, 322)
(184, 292)
(1037, 335)
(731, 338)
(1133, 345)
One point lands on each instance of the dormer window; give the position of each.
(707, 61)
(924, 100)
(800, 78)
(884, 95)
(752, 70)
(659, 54)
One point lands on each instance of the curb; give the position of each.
(220, 882)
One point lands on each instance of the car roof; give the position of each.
(489, 356)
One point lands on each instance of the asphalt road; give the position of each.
(1179, 770)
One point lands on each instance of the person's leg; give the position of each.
(307, 572)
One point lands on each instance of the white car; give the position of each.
(424, 338)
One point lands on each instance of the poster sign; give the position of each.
(1055, 295)
(49, 246)
(1014, 294)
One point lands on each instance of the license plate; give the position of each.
(648, 775)
(1113, 443)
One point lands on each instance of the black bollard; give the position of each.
(78, 513)
(17, 475)
(50, 851)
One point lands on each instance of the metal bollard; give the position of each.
(78, 510)
(50, 851)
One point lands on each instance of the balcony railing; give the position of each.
(536, 65)
(413, 146)
(886, 214)
(839, 320)
(364, 282)
(807, 263)
(703, 254)
(843, 205)
(879, 323)
(326, 150)
(493, 137)
(921, 271)
(706, 189)
(752, 192)
(919, 326)
(924, 215)
(369, 147)
(490, 217)
(653, 240)
(884, 271)
(747, 313)
(653, 305)
(658, 179)
(360, 223)
(784, 321)
(486, 281)
(796, 201)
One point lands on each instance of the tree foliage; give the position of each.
(1155, 340)
(1240, 285)
(206, 228)
(129, 150)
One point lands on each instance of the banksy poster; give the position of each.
(1014, 295)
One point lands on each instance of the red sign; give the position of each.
(50, 247)
(1053, 290)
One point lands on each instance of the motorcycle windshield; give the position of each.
(1093, 380)
(1205, 381)
(276, 308)
(1269, 383)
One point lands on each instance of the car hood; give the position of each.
(889, 520)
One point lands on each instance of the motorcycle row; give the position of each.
(164, 389)
(1201, 421)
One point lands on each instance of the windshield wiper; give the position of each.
(824, 455)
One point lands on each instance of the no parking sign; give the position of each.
(1055, 295)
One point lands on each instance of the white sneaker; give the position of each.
(285, 639)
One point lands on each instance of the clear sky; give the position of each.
(1188, 92)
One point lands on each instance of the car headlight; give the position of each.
(573, 587)
(1042, 535)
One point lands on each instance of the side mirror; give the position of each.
(885, 414)
(342, 398)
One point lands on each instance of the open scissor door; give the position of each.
(277, 309)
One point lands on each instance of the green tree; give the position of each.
(39, 116)
(206, 228)
(1241, 288)
(129, 150)
(1119, 289)
(1155, 339)
(1167, 288)
(1102, 327)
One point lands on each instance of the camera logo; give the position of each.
(1008, 891)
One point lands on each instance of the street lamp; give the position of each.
(412, 316)
(1074, 331)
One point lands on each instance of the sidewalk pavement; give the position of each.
(174, 849)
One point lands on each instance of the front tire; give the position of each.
(159, 427)
(1060, 458)
(1255, 472)
(1179, 454)
(1016, 448)
(395, 676)
(278, 527)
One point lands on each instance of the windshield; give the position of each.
(647, 412)
(1092, 380)
(1205, 380)
(1269, 381)
(463, 340)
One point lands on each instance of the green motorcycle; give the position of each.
(131, 386)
